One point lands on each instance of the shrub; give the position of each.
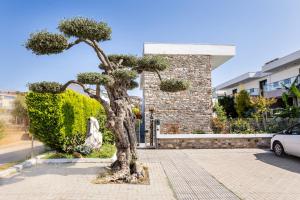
(198, 132)
(220, 112)
(218, 126)
(243, 104)
(240, 126)
(227, 102)
(2, 126)
(60, 120)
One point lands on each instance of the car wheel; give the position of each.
(278, 149)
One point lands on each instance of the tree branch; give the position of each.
(158, 74)
(86, 90)
(70, 45)
(102, 53)
(99, 55)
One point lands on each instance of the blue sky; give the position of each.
(260, 29)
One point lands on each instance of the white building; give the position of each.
(267, 82)
(7, 100)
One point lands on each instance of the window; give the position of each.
(276, 84)
(295, 130)
(234, 91)
(287, 81)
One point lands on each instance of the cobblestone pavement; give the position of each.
(252, 174)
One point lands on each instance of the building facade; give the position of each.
(187, 111)
(268, 82)
(7, 100)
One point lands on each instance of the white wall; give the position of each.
(283, 74)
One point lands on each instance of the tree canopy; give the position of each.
(116, 68)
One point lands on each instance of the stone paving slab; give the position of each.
(73, 181)
(252, 174)
(188, 179)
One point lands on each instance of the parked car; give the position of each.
(287, 141)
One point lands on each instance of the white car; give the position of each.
(287, 142)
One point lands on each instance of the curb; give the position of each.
(39, 160)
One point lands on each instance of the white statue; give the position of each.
(94, 137)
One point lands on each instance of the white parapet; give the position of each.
(219, 53)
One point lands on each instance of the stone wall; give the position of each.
(213, 143)
(185, 111)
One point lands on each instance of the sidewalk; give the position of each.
(19, 151)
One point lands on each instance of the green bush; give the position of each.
(198, 132)
(241, 126)
(60, 120)
(243, 104)
(2, 126)
(106, 151)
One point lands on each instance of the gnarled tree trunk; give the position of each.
(122, 122)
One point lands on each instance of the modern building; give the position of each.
(268, 82)
(187, 111)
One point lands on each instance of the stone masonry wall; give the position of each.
(185, 111)
(214, 143)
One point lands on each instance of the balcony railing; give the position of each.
(253, 91)
(278, 84)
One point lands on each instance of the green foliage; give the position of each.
(20, 109)
(241, 126)
(220, 112)
(106, 151)
(85, 28)
(198, 132)
(124, 74)
(43, 42)
(46, 87)
(227, 102)
(173, 85)
(218, 126)
(60, 121)
(93, 78)
(152, 63)
(243, 104)
(132, 84)
(288, 112)
(128, 60)
(2, 126)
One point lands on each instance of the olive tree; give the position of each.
(116, 74)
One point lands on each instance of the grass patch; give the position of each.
(106, 151)
(7, 165)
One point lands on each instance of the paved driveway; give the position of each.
(175, 174)
(252, 173)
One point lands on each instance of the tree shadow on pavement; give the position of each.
(286, 162)
(57, 170)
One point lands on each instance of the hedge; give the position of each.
(60, 120)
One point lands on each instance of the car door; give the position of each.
(292, 141)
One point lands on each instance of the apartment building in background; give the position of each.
(267, 82)
(7, 100)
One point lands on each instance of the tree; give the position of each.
(242, 104)
(220, 112)
(290, 111)
(227, 102)
(262, 107)
(20, 110)
(117, 75)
